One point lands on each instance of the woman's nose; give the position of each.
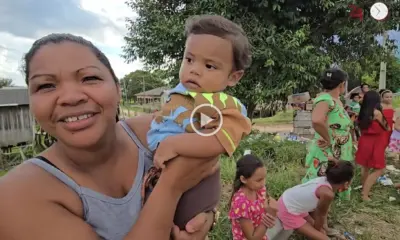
(72, 95)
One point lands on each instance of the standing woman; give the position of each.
(364, 89)
(333, 128)
(373, 141)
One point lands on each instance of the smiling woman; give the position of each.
(94, 173)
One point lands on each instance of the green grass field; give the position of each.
(279, 118)
(379, 219)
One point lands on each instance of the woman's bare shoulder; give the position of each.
(32, 199)
(140, 125)
(27, 182)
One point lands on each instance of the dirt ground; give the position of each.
(274, 128)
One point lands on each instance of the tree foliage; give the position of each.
(293, 40)
(6, 82)
(140, 81)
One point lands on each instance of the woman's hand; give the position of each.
(197, 228)
(268, 220)
(322, 143)
(182, 174)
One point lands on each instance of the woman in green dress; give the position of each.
(333, 128)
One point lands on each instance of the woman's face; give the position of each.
(387, 98)
(72, 94)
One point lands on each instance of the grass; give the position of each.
(279, 118)
(379, 219)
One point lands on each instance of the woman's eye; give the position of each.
(45, 86)
(90, 78)
(209, 66)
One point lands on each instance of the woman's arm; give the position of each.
(378, 116)
(319, 120)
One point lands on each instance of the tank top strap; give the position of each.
(135, 138)
(38, 161)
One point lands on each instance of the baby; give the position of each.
(216, 54)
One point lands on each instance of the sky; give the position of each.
(24, 21)
(101, 21)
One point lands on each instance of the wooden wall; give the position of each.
(302, 124)
(16, 125)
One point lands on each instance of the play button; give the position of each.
(206, 116)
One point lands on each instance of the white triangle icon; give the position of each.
(204, 119)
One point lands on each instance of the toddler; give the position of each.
(216, 53)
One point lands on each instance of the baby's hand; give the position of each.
(165, 152)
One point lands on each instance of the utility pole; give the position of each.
(382, 73)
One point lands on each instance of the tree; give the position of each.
(140, 81)
(6, 82)
(292, 40)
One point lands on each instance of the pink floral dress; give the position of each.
(242, 207)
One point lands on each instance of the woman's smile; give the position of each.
(78, 122)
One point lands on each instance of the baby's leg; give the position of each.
(202, 198)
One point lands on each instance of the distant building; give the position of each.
(16, 122)
(153, 96)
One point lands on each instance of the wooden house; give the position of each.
(16, 122)
(153, 96)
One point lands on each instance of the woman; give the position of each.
(373, 141)
(87, 185)
(333, 129)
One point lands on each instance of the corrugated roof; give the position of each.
(153, 92)
(14, 96)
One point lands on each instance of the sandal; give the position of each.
(331, 232)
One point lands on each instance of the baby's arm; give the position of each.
(326, 197)
(195, 145)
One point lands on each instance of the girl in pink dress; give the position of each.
(252, 212)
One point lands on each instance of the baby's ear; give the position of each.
(235, 77)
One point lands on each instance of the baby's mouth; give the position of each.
(193, 83)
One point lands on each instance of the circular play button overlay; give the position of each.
(205, 114)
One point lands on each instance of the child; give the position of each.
(315, 196)
(373, 141)
(387, 109)
(216, 54)
(250, 213)
(354, 104)
(394, 144)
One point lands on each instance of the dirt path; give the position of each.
(274, 128)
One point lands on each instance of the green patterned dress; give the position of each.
(339, 128)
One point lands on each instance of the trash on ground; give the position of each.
(385, 180)
(391, 199)
(392, 169)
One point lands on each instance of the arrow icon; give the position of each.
(204, 119)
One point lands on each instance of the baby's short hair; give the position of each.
(226, 29)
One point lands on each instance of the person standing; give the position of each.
(373, 141)
(333, 130)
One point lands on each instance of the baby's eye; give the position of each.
(189, 60)
(209, 66)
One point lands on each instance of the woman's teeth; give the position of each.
(74, 119)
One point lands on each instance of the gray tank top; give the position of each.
(111, 218)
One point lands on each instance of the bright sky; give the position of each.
(24, 21)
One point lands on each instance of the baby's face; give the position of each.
(208, 64)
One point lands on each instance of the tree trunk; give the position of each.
(250, 110)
